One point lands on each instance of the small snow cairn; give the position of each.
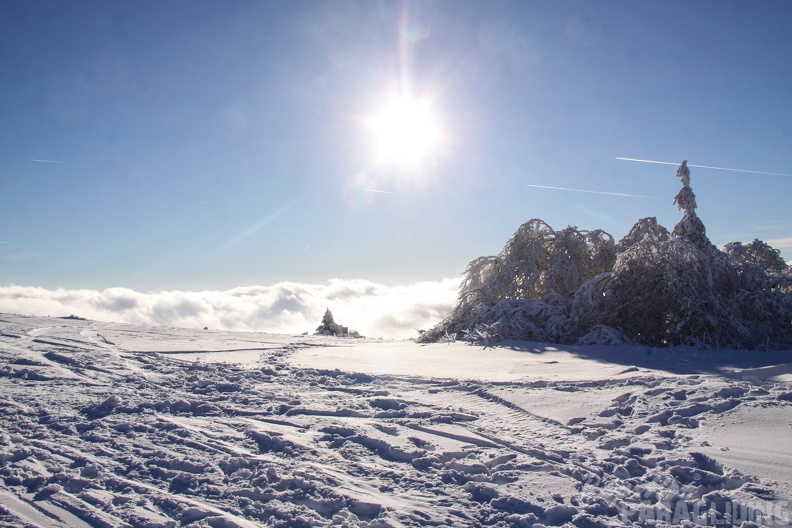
(653, 287)
(330, 328)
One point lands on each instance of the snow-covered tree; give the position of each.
(525, 291)
(653, 287)
(645, 228)
(690, 227)
(330, 327)
(756, 253)
(665, 293)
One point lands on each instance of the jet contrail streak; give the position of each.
(47, 161)
(649, 161)
(584, 191)
(706, 167)
(377, 191)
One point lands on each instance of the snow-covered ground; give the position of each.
(104, 424)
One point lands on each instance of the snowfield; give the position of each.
(106, 425)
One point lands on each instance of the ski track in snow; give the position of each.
(107, 425)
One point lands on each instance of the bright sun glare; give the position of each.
(405, 131)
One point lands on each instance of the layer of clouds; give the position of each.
(783, 244)
(780, 243)
(374, 310)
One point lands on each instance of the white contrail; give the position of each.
(47, 161)
(377, 191)
(259, 225)
(705, 167)
(585, 191)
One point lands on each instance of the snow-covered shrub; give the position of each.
(663, 293)
(756, 253)
(653, 287)
(604, 335)
(763, 292)
(525, 291)
(545, 319)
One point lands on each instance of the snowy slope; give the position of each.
(118, 425)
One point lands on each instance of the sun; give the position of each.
(405, 131)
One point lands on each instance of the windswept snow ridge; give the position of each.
(107, 425)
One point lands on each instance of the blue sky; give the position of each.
(191, 145)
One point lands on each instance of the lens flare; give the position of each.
(356, 191)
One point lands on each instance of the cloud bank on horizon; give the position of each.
(374, 310)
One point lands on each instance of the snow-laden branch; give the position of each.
(653, 287)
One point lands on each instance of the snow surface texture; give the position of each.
(107, 425)
(653, 287)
